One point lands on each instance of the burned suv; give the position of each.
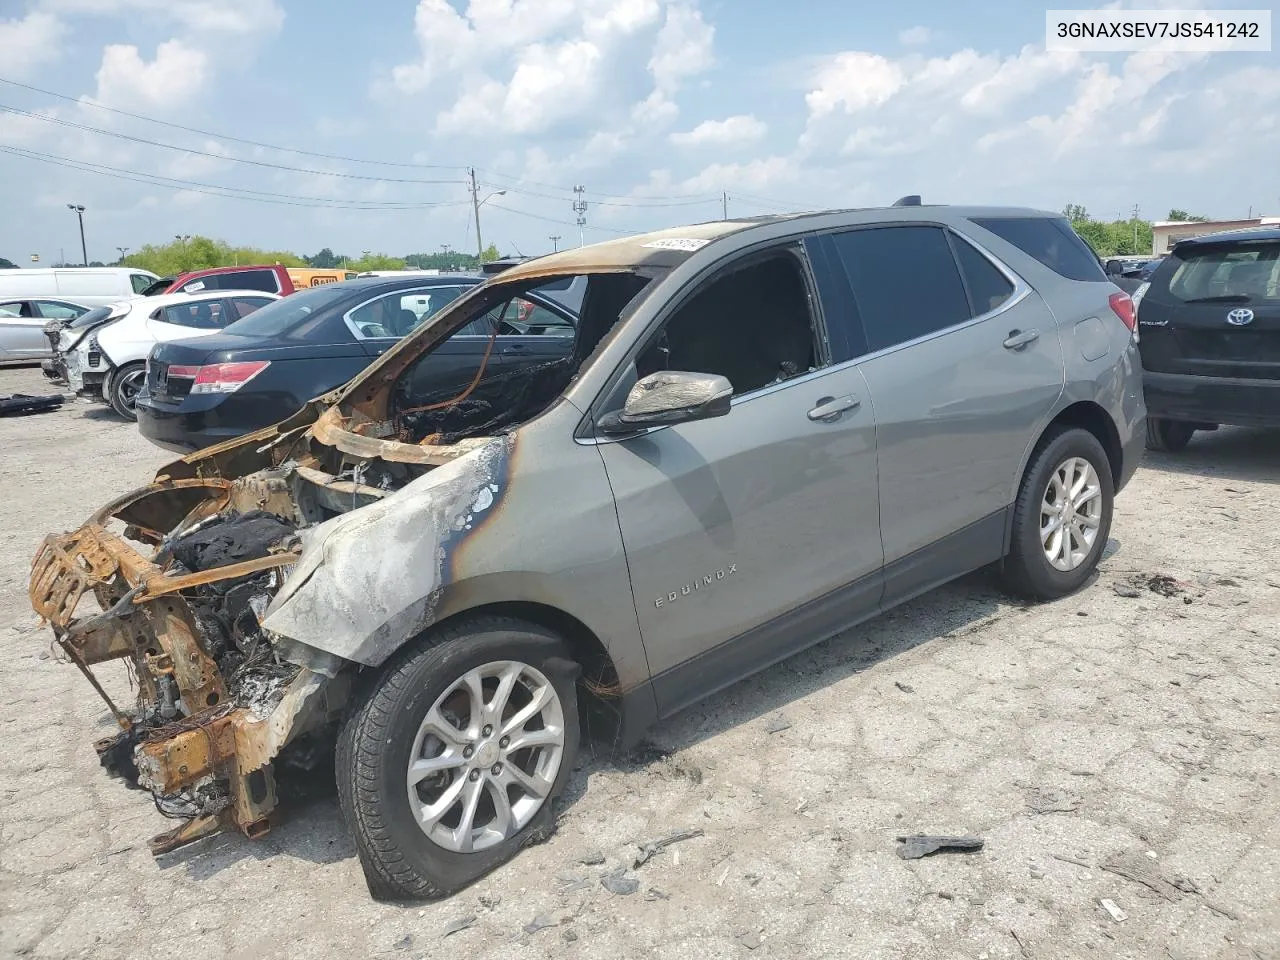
(1210, 324)
(764, 432)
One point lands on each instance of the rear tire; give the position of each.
(409, 845)
(1168, 436)
(121, 389)
(1064, 459)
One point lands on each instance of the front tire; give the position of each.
(1168, 436)
(122, 389)
(450, 761)
(1062, 516)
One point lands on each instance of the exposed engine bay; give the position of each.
(206, 578)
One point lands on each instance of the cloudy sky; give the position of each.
(657, 107)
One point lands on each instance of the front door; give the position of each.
(752, 535)
(21, 332)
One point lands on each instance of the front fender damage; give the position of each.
(369, 580)
(243, 627)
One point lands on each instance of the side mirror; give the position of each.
(670, 396)
(1114, 268)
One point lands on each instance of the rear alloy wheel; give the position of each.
(1168, 436)
(1062, 517)
(450, 761)
(123, 387)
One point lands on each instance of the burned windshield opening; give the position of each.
(515, 354)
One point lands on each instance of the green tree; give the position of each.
(199, 253)
(376, 261)
(490, 254)
(326, 259)
(1183, 216)
(448, 260)
(1074, 212)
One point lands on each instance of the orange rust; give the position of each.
(159, 585)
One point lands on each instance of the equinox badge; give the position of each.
(706, 581)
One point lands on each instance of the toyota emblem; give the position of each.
(1240, 317)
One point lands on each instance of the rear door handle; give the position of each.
(829, 409)
(1018, 339)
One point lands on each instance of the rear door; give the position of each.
(21, 331)
(963, 363)
(1213, 310)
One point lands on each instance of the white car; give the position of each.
(109, 362)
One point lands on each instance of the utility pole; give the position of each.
(1135, 228)
(724, 205)
(580, 209)
(555, 242)
(475, 206)
(79, 209)
(123, 251)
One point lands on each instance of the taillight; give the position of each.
(220, 377)
(1122, 306)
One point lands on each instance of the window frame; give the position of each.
(1021, 289)
(794, 245)
(466, 288)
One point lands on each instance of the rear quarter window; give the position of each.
(1049, 240)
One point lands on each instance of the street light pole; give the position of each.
(79, 209)
(123, 251)
(555, 242)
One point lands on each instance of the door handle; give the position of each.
(829, 409)
(1018, 339)
(514, 346)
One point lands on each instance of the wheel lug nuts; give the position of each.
(497, 769)
(487, 730)
(467, 752)
(474, 775)
(504, 742)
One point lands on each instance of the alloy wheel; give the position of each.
(486, 756)
(1071, 514)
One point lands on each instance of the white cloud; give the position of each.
(29, 42)
(532, 66)
(683, 49)
(915, 36)
(177, 73)
(740, 129)
(854, 81)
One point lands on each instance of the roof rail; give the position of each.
(910, 200)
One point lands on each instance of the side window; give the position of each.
(1051, 241)
(240, 307)
(264, 280)
(203, 315)
(13, 309)
(52, 310)
(905, 282)
(140, 282)
(752, 325)
(988, 287)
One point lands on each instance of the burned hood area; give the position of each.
(243, 589)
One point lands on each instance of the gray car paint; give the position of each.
(774, 508)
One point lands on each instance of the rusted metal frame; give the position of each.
(158, 585)
(328, 430)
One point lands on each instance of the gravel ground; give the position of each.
(1119, 728)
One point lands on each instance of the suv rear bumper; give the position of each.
(1229, 400)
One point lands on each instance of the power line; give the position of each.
(223, 136)
(218, 190)
(216, 156)
(639, 202)
(564, 223)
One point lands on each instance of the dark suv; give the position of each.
(1210, 325)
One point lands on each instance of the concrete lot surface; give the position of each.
(1119, 745)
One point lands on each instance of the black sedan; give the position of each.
(262, 369)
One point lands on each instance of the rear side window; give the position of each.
(241, 307)
(904, 281)
(1051, 241)
(205, 315)
(1228, 274)
(140, 282)
(988, 287)
(264, 280)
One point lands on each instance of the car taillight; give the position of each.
(220, 377)
(1122, 307)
